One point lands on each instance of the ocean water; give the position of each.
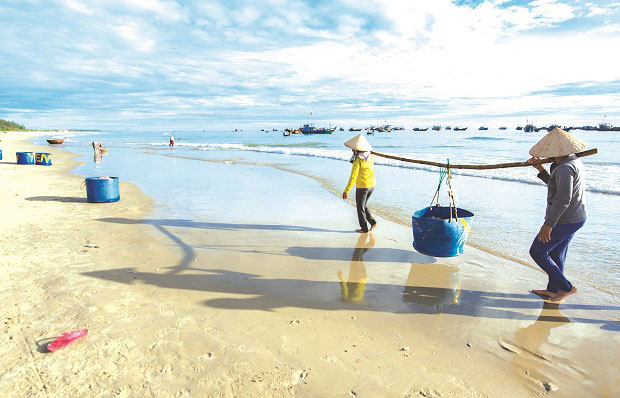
(508, 204)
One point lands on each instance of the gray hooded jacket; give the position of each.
(566, 200)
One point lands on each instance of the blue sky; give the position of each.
(166, 64)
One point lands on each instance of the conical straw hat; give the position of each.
(359, 143)
(557, 143)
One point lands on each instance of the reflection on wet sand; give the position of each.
(530, 358)
(353, 288)
(433, 285)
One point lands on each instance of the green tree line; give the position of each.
(6, 125)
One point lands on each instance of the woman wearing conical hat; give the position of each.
(363, 177)
(566, 208)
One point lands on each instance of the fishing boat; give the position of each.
(370, 131)
(503, 128)
(341, 129)
(460, 128)
(355, 129)
(529, 128)
(398, 128)
(604, 127)
(286, 133)
(420, 128)
(519, 127)
(382, 129)
(310, 129)
(296, 131)
(483, 128)
(437, 127)
(448, 128)
(55, 141)
(552, 127)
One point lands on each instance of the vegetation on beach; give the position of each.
(7, 125)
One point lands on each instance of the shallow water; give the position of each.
(188, 181)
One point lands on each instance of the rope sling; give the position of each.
(445, 174)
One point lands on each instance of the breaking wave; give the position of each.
(602, 184)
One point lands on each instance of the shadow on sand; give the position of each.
(269, 294)
(57, 199)
(219, 226)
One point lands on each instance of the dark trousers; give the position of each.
(551, 256)
(363, 214)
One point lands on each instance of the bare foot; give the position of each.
(361, 231)
(562, 295)
(373, 226)
(545, 293)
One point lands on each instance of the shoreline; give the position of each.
(243, 309)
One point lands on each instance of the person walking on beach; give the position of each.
(363, 177)
(171, 143)
(566, 208)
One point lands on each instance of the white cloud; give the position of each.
(595, 10)
(378, 56)
(78, 6)
(165, 9)
(134, 34)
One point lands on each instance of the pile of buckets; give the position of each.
(40, 158)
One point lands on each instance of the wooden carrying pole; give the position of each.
(482, 166)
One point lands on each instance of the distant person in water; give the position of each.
(566, 208)
(171, 143)
(363, 177)
(97, 147)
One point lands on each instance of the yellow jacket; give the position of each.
(362, 174)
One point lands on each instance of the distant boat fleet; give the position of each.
(310, 129)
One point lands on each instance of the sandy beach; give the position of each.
(268, 300)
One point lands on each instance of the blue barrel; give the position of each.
(434, 234)
(0, 154)
(25, 157)
(43, 159)
(103, 189)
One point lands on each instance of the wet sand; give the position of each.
(298, 305)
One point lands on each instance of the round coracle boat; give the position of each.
(55, 140)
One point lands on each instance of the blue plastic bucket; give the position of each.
(43, 159)
(434, 234)
(25, 157)
(102, 189)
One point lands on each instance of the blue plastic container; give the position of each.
(0, 154)
(103, 189)
(435, 235)
(25, 157)
(43, 159)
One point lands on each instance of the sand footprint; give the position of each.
(167, 309)
(286, 346)
(186, 321)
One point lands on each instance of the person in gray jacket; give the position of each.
(566, 208)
